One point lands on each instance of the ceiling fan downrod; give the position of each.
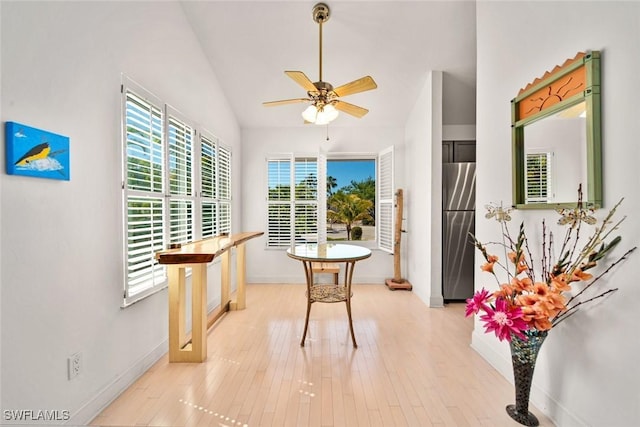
(320, 15)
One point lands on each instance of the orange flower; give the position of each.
(520, 264)
(542, 324)
(527, 301)
(488, 267)
(541, 289)
(559, 282)
(578, 275)
(506, 291)
(557, 302)
(521, 285)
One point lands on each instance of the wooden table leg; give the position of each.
(348, 275)
(240, 302)
(308, 274)
(176, 276)
(199, 312)
(196, 351)
(225, 279)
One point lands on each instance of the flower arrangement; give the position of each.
(528, 301)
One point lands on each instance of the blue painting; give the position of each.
(35, 152)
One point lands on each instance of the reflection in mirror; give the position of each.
(555, 156)
(556, 137)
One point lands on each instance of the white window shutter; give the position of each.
(322, 198)
(306, 200)
(180, 136)
(292, 201)
(176, 186)
(208, 207)
(143, 154)
(224, 190)
(279, 202)
(537, 177)
(385, 213)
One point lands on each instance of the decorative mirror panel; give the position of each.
(556, 137)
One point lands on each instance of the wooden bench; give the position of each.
(326, 267)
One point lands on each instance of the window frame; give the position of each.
(292, 201)
(322, 160)
(192, 195)
(371, 244)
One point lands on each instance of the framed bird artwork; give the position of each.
(35, 152)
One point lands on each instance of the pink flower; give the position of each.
(504, 320)
(477, 303)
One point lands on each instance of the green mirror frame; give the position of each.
(550, 95)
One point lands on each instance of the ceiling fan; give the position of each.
(323, 98)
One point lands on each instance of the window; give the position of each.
(302, 215)
(538, 177)
(351, 198)
(385, 200)
(292, 201)
(215, 181)
(176, 187)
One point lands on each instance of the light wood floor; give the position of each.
(413, 367)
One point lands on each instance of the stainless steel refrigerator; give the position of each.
(458, 217)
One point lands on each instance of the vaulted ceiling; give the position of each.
(251, 43)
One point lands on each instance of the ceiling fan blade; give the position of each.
(284, 102)
(356, 86)
(300, 78)
(354, 110)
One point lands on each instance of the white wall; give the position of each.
(62, 268)
(587, 372)
(423, 139)
(272, 265)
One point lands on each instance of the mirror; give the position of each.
(556, 137)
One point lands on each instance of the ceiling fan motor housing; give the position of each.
(324, 95)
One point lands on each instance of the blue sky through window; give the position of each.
(345, 171)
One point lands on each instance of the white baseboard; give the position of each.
(436, 302)
(110, 392)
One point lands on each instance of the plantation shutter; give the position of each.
(224, 190)
(537, 179)
(322, 198)
(292, 201)
(306, 200)
(176, 186)
(384, 212)
(180, 169)
(143, 191)
(279, 202)
(208, 160)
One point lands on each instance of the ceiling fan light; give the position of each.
(310, 113)
(328, 114)
(322, 116)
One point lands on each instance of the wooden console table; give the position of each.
(196, 255)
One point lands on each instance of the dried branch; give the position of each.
(559, 318)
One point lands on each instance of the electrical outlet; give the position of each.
(74, 365)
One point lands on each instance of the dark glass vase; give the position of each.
(523, 358)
